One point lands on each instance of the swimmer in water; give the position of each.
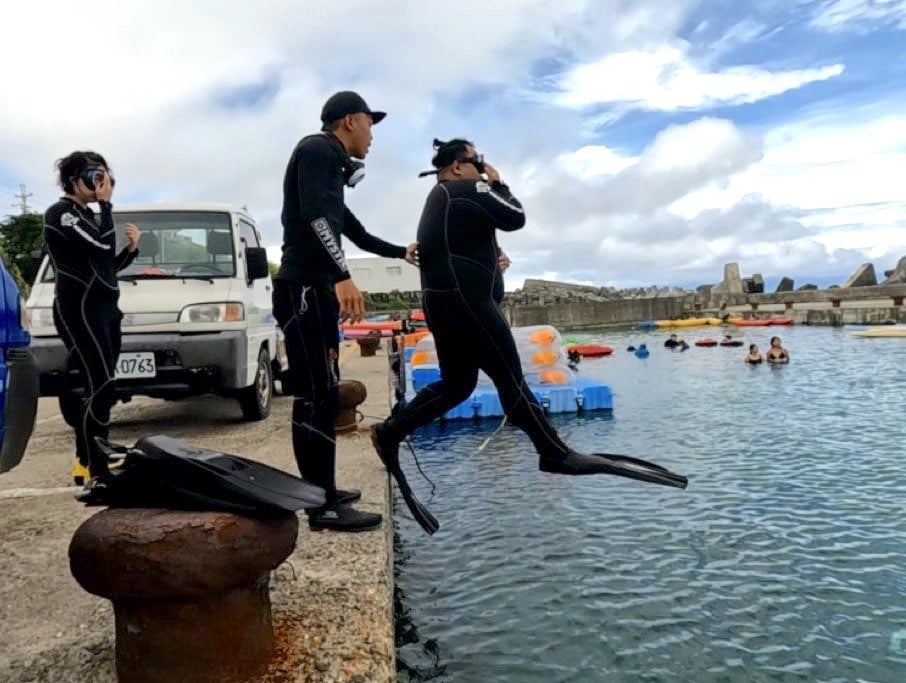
(754, 356)
(777, 354)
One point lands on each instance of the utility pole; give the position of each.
(23, 198)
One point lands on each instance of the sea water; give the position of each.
(784, 560)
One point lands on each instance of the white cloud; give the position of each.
(838, 16)
(665, 79)
(697, 195)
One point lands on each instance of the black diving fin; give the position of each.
(160, 471)
(576, 463)
(390, 458)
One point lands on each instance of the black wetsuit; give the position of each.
(82, 249)
(458, 255)
(305, 304)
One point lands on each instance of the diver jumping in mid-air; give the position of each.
(458, 257)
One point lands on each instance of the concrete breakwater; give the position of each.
(860, 301)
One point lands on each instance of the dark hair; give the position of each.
(752, 347)
(449, 151)
(73, 166)
(446, 153)
(772, 340)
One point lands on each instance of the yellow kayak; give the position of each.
(881, 332)
(689, 322)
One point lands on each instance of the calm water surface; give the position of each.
(784, 560)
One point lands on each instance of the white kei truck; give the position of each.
(197, 312)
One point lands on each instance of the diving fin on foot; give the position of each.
(389, 455)
(575, 463)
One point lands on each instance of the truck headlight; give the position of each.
(212, 313)
(35, 318)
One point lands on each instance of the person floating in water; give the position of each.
(777, 354)
(671, 343)
(458, 257)
(754, 356)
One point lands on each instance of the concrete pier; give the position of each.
(332, 599)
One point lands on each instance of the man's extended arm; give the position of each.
(355, 231)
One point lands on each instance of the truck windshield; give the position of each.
(176, 244)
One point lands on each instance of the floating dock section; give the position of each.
(583, 395)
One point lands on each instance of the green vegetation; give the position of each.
(19, 237)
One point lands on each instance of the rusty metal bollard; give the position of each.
(352, 393)
(189, 590)
(369, 345)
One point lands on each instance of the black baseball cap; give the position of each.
(346, 102)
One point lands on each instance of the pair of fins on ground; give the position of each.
(160, 471)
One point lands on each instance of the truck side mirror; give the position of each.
(256, 263)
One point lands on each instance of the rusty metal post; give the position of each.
(189, 590)
(352, 394)
(369, 345)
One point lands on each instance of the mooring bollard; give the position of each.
(190, 590)
(369, 345)
(352, 394)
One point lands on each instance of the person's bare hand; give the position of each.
(103, 188)
(352, 303)
(133, 235)
(412, 254)
(491, 172)
(503, 261)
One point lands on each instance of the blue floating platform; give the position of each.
(585, 394)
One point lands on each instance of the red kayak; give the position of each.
(739, 322)
(590, 350)
(707, 341)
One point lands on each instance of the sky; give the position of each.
(650, 141)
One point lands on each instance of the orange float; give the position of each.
(545, 357)
(553, 377)
(707, 341)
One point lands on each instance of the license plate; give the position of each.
(136, 366)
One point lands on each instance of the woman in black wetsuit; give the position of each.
(777, 354)
(82, 249)
(461, 285)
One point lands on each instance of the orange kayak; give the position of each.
(392, 325)
(706, 342)
(590, 350)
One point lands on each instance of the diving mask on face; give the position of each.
(93, 176)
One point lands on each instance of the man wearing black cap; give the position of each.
(313, 290)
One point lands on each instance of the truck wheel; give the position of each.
(279, 379)
(70, 408)
(255, 400)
